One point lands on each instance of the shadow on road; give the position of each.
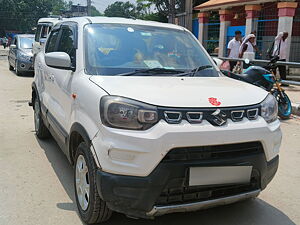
(254, 212)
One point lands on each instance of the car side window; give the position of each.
(51, 43)
(66, 43)
(45, 31)
(38, 33)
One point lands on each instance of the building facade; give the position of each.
(219, 19)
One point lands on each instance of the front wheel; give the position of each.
(284, 105)
(18, 72)
(91, 207)
(41, 130)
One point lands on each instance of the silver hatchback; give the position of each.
(20, 54)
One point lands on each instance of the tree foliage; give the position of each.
(142, 10)
(22, 15)
(121, 9)
(95, 12)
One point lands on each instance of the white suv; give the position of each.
(147, 120)
(44, 27)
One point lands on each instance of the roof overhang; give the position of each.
(225, 4)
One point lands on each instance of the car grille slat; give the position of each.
(213, 152)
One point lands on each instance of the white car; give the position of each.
(147, 120)
(44, 27)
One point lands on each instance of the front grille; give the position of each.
(213, 152)
(196, 194)
(215, 116)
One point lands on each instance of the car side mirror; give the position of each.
(58, 60)
(12, 46)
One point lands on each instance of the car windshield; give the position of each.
(26, 42)
(114, 49)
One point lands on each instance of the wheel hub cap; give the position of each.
(82, 182)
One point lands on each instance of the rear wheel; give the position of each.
(41, 130)
(91, 207)
(284, 105)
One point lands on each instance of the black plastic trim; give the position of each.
(135, 196)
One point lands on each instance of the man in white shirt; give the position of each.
(233, 48)
(280, 49)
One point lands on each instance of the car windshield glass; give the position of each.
(113, 49)
(26, 42)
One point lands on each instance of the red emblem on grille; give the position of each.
(214, 101)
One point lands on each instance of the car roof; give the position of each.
(118, 20)
(50, 20)
(25, 35)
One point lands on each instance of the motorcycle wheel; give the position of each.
(284, 105)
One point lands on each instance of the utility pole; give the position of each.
(172, 11)
(89, 5)
(189, 14)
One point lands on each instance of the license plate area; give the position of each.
(219, 175)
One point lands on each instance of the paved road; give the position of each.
(36, 184)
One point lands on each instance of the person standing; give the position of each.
(4, 42)
(280, 49)
(233, 48)
(247, 45)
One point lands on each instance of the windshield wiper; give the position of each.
(193, 72)
(152, 72)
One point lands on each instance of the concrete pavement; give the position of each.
(36, 181)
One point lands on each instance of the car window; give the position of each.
(45, 31)
(51, 43)
(66, 43)
(38, 33)
(26, 42)
(112, 49)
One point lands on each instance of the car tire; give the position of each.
(10, 67)
(41, 130)
(91, 207)
(18, 72)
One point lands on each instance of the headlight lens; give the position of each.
(119, 112)
(24, 57)
(269, 109)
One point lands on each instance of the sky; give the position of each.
(100, 4)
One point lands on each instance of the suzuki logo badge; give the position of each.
(219, 117)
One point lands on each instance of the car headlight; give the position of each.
(24, 57)
(123, 113)
(269, 109)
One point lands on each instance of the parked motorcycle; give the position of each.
(265, 77)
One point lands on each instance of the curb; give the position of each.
(296, 109)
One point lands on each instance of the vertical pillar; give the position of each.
(225, 20)
(286, 12)
(189, 14)
(203, 28)
(252, 12)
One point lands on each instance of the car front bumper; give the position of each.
(137, 153)
(165, 190)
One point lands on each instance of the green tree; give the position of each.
(121, 9)
(22, 15)
(95, 12)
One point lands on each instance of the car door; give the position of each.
(36, 44)
(61, 91)
(41, 35)
(46, 82)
